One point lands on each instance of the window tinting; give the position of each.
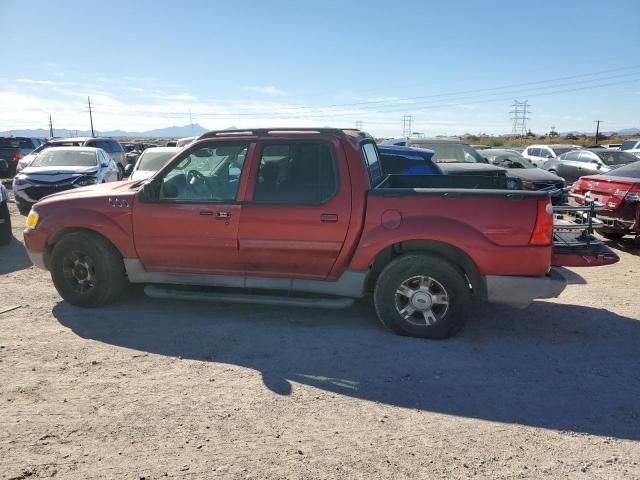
(631, 170)
(105, 145)
(628, 144)
(373, 163)
(616, 158)
(300, 173)
(115, 146)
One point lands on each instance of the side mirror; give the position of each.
(549, 156)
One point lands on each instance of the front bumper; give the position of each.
(521, 291)
(37, 258)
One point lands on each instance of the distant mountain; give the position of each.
(168, 132)
(624, 132)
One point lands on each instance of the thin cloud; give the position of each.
(268, 90)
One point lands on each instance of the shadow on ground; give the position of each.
(627, 244)
(13, 257)
(554, 366)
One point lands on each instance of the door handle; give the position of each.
(328, 218)
(206, 213)
(223, 215)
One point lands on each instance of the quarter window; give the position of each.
(296, 173)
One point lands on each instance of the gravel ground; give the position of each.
(149, 389)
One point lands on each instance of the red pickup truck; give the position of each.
(305, 217)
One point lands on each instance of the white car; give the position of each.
(541, 154)
(152, 160)
(62, 168)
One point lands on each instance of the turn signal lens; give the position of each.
(32, 219)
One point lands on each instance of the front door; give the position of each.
(188, 220)
(296, 219)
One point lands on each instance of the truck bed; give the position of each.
(470, 184)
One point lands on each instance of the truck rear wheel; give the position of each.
(87, 270)
(421, 295)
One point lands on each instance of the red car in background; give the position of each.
(619, 192)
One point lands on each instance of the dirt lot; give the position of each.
(149, 389)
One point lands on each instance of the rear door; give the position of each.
(190, 222)
(298, 210)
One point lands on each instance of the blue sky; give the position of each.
(455, 66)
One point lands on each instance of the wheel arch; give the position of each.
(454, 255)
(63, 232)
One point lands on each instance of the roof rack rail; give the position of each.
(266, 131)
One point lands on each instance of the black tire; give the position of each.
(23, 209)
(5, 226)
(612, 235)
(444, 279)
(87, 270)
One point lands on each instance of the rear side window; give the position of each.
(373, 163)
(534, 152)
(105, 145)
(297, 173)
(115, 146)
(573, 156)
(628, 145)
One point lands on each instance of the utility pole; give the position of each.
(406, 126)
(519, 117)
(597, 122)
(91, 117)
(358, 124)
(50, 127)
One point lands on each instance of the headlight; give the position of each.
(19, 180)
(84, 181)
(32, 219)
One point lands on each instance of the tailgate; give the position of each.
(574, 244)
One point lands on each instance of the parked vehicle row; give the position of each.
(12, 150)
(424, 246)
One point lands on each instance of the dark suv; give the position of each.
(12, 149)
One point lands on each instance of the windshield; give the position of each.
(616, 158)
(453, 153)
(15, 142)
(631, 170)
(560, 150)
(509, 160)
(153, 161)
(40, 148)
(65, 158)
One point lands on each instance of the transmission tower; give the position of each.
(406, 125)
(520, 116)
(358, 124)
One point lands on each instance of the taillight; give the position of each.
(543, 229)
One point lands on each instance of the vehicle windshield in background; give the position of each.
(513, 160)
(154, 161)
(631, 170)
(40, 148)
(616, 158)
(65, 158)
(453, 153)
(560, 151)
(12, 142)
(628, 144)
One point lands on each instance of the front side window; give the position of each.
(296, 173)
(210, 173)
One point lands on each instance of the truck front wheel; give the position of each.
(421, 295)
(87, 270)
